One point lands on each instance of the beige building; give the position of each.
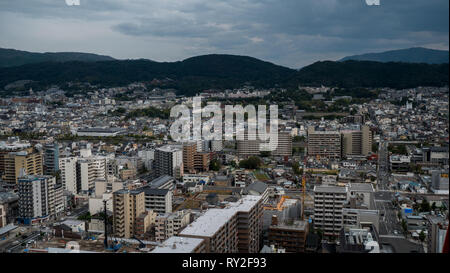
(357, 142)
(28, 162)
(128, 206)
(169, 224)
(324, 143)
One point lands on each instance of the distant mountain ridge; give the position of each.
(409, 55)
(12, 57)
(220, 71)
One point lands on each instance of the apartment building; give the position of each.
(68, 168)
(201, 161)
(241, 178)
(250, 146)
(39, 198)
(235, 228)
(324, 143)
(158, 200)
(51, 158)
(9, 208)
(169, 161)
(189, 151)
(196, 178)
(357, 142)
(290, 235)
(329, 202)
(437, 228)
(128, 206)
(88, 170)
(357, 218)
(18, 163)
(284, 147)
(12, 145)
(169, 224)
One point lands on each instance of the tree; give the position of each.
(433, 206)
(215, 165)
(296, 168)
(404, 226)
(424, 206)
(320, 233)
(422, 236)
(265, 153)
(252, 162)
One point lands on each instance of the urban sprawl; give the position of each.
(96, 170)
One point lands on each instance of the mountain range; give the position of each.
(218, 71)
(409, 55)
(12, 57)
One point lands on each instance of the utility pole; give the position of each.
(105, 223)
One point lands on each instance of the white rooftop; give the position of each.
(170, 148)
(208, 224)
(177, 244)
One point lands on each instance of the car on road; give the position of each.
(395, 232)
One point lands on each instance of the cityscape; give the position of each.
(89, 162)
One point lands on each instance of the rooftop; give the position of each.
(366, 187)
(208, 224)
(169, 148)
(177, 244)
(330, 189)
(100, 130)
(156, 183)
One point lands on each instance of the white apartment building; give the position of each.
(328, 205)
(68, 168)
(89, 170)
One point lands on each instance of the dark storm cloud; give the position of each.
(287, 32)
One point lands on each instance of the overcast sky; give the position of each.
(292, 33)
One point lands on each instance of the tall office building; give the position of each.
(329, 202)
(68, 168)
(19, 163)
(39, 198)
(128, 206)
(357, 142)
(189, 152)
(169, 161)
(324, 143)
(51, 158)
(88, 170)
